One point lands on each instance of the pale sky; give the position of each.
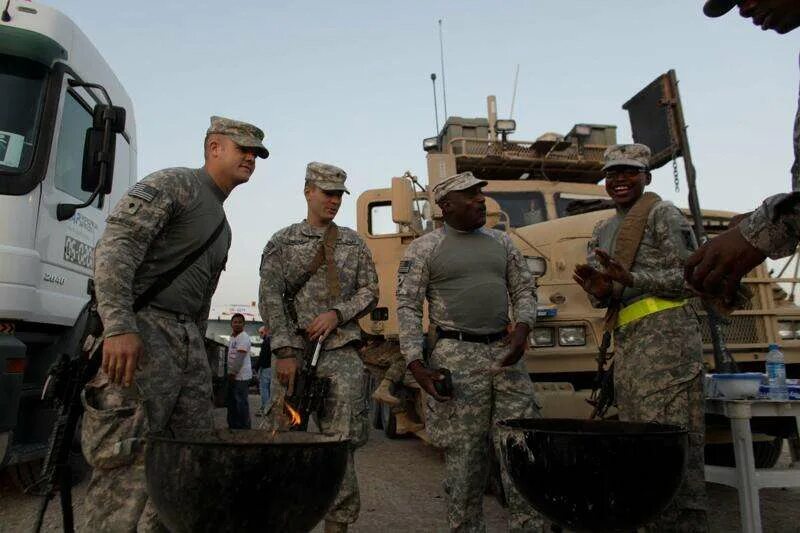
(348, 83)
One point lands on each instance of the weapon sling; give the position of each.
(629, 237)
(325, 254)
(56, 468)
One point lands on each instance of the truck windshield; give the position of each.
(569, 204)
(22, 83)
(522, 208)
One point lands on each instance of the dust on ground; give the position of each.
(401, 490)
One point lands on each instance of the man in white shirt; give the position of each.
(239, 375)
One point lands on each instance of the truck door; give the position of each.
(66, 247)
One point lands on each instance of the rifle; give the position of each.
(64, 383)
(309, 391)
(603, 388)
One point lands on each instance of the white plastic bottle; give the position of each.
(776, 374)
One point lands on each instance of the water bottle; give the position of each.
(776, 374)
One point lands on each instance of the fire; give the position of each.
(293, 415)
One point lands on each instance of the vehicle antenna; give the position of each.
(6, 17)
(441, 56)
(514, 94)
(435, 105)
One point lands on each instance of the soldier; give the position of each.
(155, 374)
(658, 370)
(774, 228)
(469, 274)
(317, 279)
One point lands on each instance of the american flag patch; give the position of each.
(143, 191)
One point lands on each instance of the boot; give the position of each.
(383, 393)
(335, 527)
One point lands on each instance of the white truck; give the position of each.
(56, 91)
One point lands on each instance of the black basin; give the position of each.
(595, 475)
(246, 480)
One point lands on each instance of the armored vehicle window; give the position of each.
(22, 84)
(381, 223)
(569, 204)
(522, 208)
(75, 120)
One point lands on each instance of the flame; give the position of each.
(294, 416)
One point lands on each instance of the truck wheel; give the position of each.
(388, 421)
(765, 453)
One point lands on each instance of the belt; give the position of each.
(646, 306)
(471, 337)
(169, 313)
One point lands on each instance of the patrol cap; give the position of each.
(244, 134)
(459, 182)
(326, 177)
(627, 155)
(717, 8)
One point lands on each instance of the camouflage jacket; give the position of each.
(162, 219)
(659, 264)
(774, 228)
(414, 286)
(287, 256)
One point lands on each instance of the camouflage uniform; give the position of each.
(464, 425)
(161, 220)
(285, 259)
(658, 370)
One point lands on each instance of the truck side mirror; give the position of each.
(402, 201)
(93, 152)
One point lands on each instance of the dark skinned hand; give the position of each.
(593, 281)
(717, 267)
(613, 269)
(517, 344)
(425, 377)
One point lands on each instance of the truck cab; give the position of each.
(47, 258)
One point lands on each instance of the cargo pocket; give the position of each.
(439, 422)
(113, 425)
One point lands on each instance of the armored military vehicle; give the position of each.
(546, 194)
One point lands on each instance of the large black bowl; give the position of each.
(248, 480)
(595, 475)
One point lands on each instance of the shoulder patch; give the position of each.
(143, 191)
(405, 266)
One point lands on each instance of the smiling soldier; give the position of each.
(658, 371)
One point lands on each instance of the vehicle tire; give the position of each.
(765, 453)
(388, 421)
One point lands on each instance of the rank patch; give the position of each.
(143, 191)
(405, 266)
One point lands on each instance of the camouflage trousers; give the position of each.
(658, 376)
(465, 427)
(345, 414)
(171, 390)
(386, 355)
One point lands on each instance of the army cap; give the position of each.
(627, 155)
(244, 134)
(717, 8)
(459, 182)
(326, 177)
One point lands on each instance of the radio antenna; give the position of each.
(514, 94)
(441, 56)
(435, 105)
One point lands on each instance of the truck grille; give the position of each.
(741, 330)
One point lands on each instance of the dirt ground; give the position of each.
(401, 490)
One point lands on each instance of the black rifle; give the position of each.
(603, 388)
(310, 390)
(65, 382)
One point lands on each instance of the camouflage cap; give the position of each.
(459, 182)
(244, 134)
(326, 177)
(627, 155)
(717, 8)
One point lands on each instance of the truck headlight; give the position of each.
(572, 336)
(537, 266)
(786, 329)
(542, 337)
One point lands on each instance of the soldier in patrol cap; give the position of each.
(317, 280)
(658, 370)
(773, 229)
(469, 274)
(155, 374)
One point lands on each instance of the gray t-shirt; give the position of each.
(190, 227)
